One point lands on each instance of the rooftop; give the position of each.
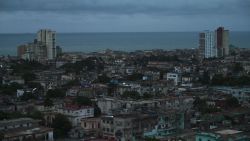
(15, 121)
(228, 132)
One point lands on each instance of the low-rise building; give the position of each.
(222, 135)
(126, 127)
(24, 129)
(172, 77)
(75, 113)
(91, 127)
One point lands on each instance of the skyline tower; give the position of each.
(222, 41)
(48, 37)
(207, 48)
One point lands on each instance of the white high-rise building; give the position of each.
(210, 48)
(207, 46)
(48, 37)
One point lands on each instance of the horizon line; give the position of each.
(117, 32)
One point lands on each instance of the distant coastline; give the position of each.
(120, 41)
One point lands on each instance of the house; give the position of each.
(91, 127)
(172, 77)
(75, 113)
(12, 79)
(124, 127)
(24, 129)
(73, 91)
(167, 124)
(222, 135)
(242, 94)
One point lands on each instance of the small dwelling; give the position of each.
(24, 129)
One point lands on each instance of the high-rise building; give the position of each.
(32, 51)
(58, 51)
(21, 49)
(214, 44)
(222, 41)
(207, 48)
(48, 37)
(201, 48)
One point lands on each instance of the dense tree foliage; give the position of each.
(28, 95)
(88, 64)
(103, 79)
(1, 135)
(61, 126)
(55, 93)
(82, 100)
(28, 76)
(202, 106)
(147, 96)
(143, 61)
(10, 115)
(135, 95)
(70, 84)
(134, 77)
(23, 66)
(219, 79)
(48, 102)
(205, 78)
(97, 111)
(10, 89)
(237, 67)
(232, 102)
(131, 94)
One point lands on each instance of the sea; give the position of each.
(119, 41)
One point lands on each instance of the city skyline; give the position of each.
(123, 16)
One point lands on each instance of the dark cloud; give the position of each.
(123, 15)
(169, 7)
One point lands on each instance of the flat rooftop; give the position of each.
(228, 132)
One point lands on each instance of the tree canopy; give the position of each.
(82, 100)
(10, 89)
(55, 93)
(219, 79)
(61, 125)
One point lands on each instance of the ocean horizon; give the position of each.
(120, 41)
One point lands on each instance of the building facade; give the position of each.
(207, 46)
(43, 48)
(222, 41)
(222, 135)
(76, 113)
(214, 44)
(24, 129)
(48, 37)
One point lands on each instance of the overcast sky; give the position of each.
(25, 16)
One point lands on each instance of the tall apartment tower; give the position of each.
(222, 41)
(207, 48)
(48, 37)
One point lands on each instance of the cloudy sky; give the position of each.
(25, 16)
